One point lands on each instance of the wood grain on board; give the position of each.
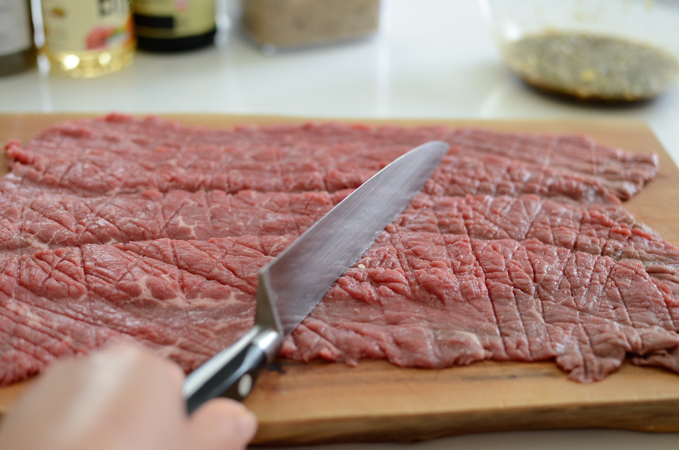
(326, 402)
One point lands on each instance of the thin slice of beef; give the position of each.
(600, 230)
(460, 299)
(460, 175)
(518, 248)
(121, 154)
(41, 219)
(187, 300)
(430, 300)
(625, 173)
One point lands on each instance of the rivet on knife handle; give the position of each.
(231, 372)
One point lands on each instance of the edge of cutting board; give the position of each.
(376, 401)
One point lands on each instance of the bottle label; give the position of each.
(15, 29)
(167, 19)
(82, 25)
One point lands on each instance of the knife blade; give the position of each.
(291, 285)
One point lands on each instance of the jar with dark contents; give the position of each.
(285, 24)
(613, 50)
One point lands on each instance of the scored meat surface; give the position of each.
(518, 248)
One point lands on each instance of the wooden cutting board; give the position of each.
(326, 402)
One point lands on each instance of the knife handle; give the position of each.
(232, 372)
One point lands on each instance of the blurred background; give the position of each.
(422, 59)
(428, 59)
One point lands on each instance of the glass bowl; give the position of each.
(605, 50)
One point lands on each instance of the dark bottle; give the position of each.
(174, 25)
(17, 51)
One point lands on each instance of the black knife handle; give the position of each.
(234, 380)
(232, 372)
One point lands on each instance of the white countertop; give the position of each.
(432, 59)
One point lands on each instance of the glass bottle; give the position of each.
(174, 25)
(88, 38)
(17, 51)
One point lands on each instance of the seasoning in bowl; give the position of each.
(299, 23)
(592, 67)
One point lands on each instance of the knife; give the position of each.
(291, 285)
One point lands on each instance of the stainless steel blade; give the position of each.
(296, 281)
(293, 284)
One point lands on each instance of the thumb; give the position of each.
(222, 424)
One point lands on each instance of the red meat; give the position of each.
(518, 248)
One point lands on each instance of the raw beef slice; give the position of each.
(518, 247)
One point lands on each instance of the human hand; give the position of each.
(123, 397)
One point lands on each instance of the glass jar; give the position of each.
(276, 24)
(610, 50)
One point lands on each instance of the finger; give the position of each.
(141, 361)
(122, 351)
(222, 424)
